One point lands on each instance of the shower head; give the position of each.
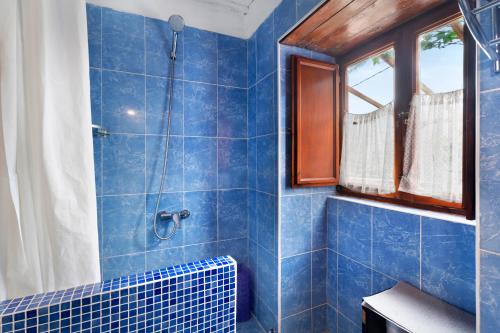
(176, 23)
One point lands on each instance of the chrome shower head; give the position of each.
(176, 23)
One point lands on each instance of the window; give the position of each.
(407, 111)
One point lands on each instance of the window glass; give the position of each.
(371, 83)
(441, 59)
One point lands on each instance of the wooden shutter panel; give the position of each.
(315, 127)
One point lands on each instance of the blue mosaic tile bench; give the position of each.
(194, 297)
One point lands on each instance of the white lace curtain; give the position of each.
(367, 162)
(433, 149)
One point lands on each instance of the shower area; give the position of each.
(171, 174)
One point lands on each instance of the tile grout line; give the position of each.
(145, 151)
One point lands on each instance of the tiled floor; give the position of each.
(251, 326)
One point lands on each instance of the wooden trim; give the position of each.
(406, 84)
(302, 131)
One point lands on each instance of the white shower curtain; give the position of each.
(48, 227)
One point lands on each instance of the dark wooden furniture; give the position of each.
(315, 122)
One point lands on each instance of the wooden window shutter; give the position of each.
(315, 122)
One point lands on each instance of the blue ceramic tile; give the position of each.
(158, 47)
(347, 326)
(252, 163)
(232, 214)
(252, 264)
(448, 262)
(201, 226)
(236, 248)
(284, 17)
(252, 60)
(155, 146)
(157, 106)
(252, 215)
(396, 245)
(232, 163)
(123, 225)
(123, 164)
(122, 41)
(97, 145)
(200, 164)
(232, 116)
(200, 55)
(266, 164)
(116, 267)
(382, 282)
(488, 78)
(285, 169)
(200, 109)
(252, 112)
(95, 96)
(266, 46)
(123, 102)
(305, 6)
(164, 258)
(490, 292)
(267, 316)
(266, 221)
(299, 323)
(354, 231)
(200, 252)
(490, 210)
(296, 284)
(331, 278)
(250, 326)
(319, 221)
(332, 224)
(285, 102)
(267, 274)
(490, 140)
(331, 318)
(99, 223)
(354, 283)
(265, 117)
(94, 30)
(322, 57)
(295, 225)
(170, 202)
(286, 52)
(232, 61)
(319, 319)
(318, 277)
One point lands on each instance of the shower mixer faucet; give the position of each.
(166, 216)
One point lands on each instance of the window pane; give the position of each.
(371, 83)
(441, 56)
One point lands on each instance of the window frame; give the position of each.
(404, 39)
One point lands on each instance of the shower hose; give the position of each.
(175, 217)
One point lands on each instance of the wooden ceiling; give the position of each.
(340, 25)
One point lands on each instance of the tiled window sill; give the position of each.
(408, 210)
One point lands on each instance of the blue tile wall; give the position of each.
(199, 296)
(306, 276)
(489, 219)
(208, 167)
(435, 256)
